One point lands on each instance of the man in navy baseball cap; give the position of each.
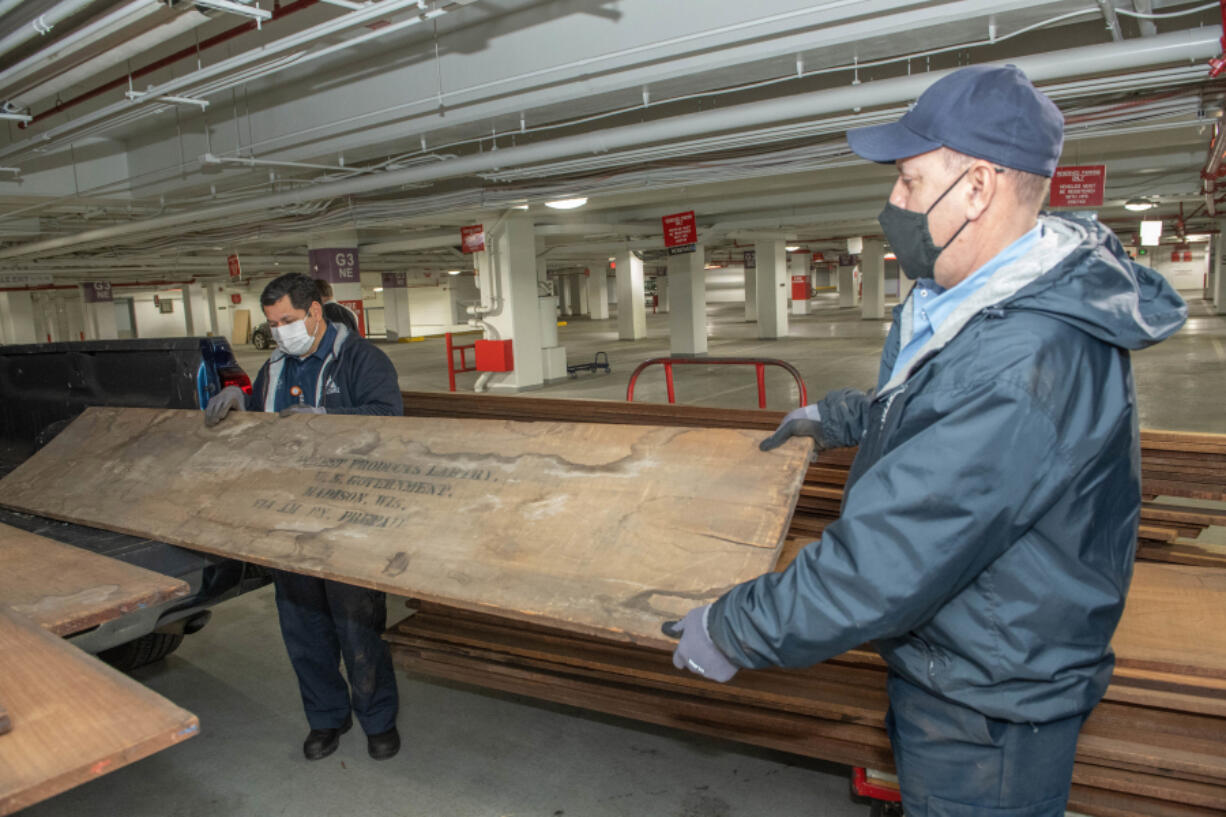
(989, 522)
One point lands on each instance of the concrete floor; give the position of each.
(472, 753)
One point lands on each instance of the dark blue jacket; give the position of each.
(989, 524)
(356, 378)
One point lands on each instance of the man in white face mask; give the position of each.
(320, 367)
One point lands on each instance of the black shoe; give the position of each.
(383, 745)
(322, 742)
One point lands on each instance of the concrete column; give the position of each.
(663, 293)
(631, 314)
(210, 302)
(510, 279)
(598, 291)
(17, 317)
(581, 294)
(872, 267)
(98, 308)
(687, 320)
(189, 319)
(751, 286)
(798, 267)
(847, 286)
(396, 322)
(771, 258)
(564, 295)
(1218, 299)
(334, 257)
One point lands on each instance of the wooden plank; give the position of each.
(74, 718)
(66, 589)
(1174, 621)
(599, 528)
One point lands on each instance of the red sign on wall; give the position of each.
(800, 287)
(356, 308)
(1078, 186)
(232, 261)
(680, 229)
(472, 239)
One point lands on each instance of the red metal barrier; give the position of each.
(451, 367)
(759, 363)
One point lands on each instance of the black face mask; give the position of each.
(910, 239)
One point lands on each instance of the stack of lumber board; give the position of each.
(1183, 474)
(1156, 746)
(65, 717)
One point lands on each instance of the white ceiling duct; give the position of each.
(133, 29)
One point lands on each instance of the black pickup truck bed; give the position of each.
(43, 387)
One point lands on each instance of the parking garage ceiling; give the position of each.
(145, 138)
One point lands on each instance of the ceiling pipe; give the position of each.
(1213, 168)
(65, 47)
(248, 66)
(279, 13)
(42, 24)
(58, 68)
(1177, 46)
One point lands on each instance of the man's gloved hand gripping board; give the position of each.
(603, 529)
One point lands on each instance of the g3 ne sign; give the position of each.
(97, 292)
(336, 265)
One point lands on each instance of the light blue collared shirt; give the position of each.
(931, 304)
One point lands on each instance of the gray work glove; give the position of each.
(696, 651)
(231, 398)
(805, 421)
(301, 408)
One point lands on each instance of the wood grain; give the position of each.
(66, 589)
(1174, 621)
(599, 528)
(74, 718)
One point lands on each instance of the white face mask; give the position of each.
(293, 339)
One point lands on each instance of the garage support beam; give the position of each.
(687, 317)
(772, 286)
(872, 271)
(631, 314)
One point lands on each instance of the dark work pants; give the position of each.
(323, 621)
(954, 762)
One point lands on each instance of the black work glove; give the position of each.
(805, 421)
(231, 398)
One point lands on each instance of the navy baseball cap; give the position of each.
(985, 111)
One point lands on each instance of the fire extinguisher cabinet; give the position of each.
(494, 356)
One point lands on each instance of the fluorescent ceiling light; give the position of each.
(1190, 236)
(792, 248)
(567, 204)
(378, 289)
(453, 272)
(1151, 233)
(1139, 205)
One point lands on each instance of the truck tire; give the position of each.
(141, 651)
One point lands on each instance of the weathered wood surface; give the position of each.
(65, 589)
(73, 717)
(1174, 621)
(600, 528)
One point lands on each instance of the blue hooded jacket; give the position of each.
(989, 523)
